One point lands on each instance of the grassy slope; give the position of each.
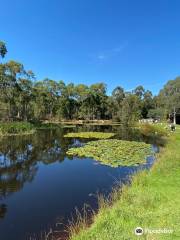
(152, 201)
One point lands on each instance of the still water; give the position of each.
(40, 185)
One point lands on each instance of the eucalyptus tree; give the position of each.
(71, 104)
(139, 91)
(24, 98)
(61, 111)
(98, 100)
(3, 49)
(90, 104)
(81, 93)
(169, 96)
(39, 101)
(147, 103)
(52, 94)
(9, 84)
(146, 100)
(118, 96)
(131, 109)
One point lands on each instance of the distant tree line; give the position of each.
(22, 97)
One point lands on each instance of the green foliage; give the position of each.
(114, 152)
(99, 135)
(157, 113)
(115, 103)
(16, 128)
(131, 109)
(169, 96)
(139, 91)
(3, 49)
(151, 129)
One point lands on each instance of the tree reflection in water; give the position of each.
(3, 210)
(19, 156)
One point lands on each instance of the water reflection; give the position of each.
(19, 154)
(3, 210)
(19, 157)
(22, 156)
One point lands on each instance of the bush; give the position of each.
(149, 130)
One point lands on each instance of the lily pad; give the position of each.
(113, 152)
(98, 135)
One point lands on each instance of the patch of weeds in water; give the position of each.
(114, 152)
(16, 128)
(98, 135)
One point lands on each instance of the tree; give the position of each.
(9, 87)
(131, 109)
(139, 91)
(3, 49)
(118, 94)
(116, 102)
(40, 105)
(147, 103)
(81, 93)
(98, 100)
(169, 96)
(23, 100)
(157, 113)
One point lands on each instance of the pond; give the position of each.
(41, 186)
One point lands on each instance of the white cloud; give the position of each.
(106, 54)
(101, 57)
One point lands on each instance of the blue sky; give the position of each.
(120, 42)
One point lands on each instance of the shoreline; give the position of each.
(140, 203)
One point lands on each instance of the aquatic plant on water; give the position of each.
(98, 135)
(15, 128)
(68, 126)
(114, 153)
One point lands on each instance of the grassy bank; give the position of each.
(24, 128)
(16, 128)
(151, 202)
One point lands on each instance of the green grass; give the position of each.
(152, 201)
(98, 135)
(113, 152)
(16, 128)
